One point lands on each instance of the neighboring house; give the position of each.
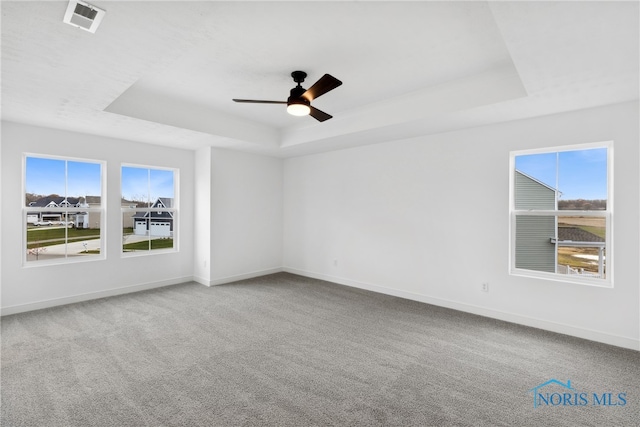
(155, 222)
(90, 219)
(538, 237)
(534, 249)
(94, 216)
(79, 219)
(127, 218)
(577, 234)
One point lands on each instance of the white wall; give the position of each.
(427, 219)
(202, 216)
(26, 288)
(244, 210)
(424, 218)
(230, 220)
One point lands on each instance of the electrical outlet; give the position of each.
(485, 287)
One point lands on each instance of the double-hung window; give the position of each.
(63, 211)
(149, 209)
(561, 213)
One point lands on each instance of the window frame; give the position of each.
(175, 210)
(607, 214)
(26, 209)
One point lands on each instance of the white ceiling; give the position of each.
(165, 72)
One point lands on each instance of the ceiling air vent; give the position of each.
(83, 15)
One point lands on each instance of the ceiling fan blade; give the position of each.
(257, 101)
(322, 86)
(320, 116)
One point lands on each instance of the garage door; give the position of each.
(161, 229)
(141, 229)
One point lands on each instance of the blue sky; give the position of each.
(579, 174)
(140, 183)
(47, 176)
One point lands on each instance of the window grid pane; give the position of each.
(560, 213)
(64, 212)
(148, 221)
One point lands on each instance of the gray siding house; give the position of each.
(156, 222)
(539, 237)
(534, 234)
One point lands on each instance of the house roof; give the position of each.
(157, 212)
(577, 234)
(154, 215)
(167, 202)
(45, 201)
(408, 68)
(537, 181)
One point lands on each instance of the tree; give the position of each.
(582, 205)
(32, 197)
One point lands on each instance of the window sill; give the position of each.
(563, 278)
(141, 253)
(63, 261)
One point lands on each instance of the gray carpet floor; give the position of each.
(284, 350)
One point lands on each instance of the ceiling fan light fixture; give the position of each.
(299, 101)
(298, 109)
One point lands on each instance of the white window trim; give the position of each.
(174, 210)
(608, 281)
(102, 210)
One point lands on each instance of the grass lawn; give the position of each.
(38, 234)
(567, 256)
(41, 237)
(598, 231)
(55, 236)
(144, 245)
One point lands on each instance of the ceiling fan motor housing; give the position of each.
(295, 96)
(298, 76)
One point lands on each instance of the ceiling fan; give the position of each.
(299, 101)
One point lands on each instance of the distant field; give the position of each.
(589, 221)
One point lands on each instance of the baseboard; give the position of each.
(587, 334)
(5, 311)
(201, 280)
(235, 278)
(22, 308)
(468, 308)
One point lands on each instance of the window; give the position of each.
(561, 213)
(149, 209)
(63, 210)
